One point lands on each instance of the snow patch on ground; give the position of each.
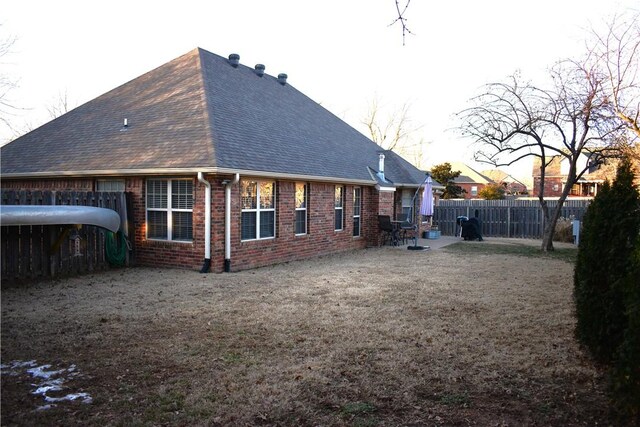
(48, 381)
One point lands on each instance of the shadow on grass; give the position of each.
(516, 249)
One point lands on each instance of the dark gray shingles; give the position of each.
(167, 128)
(199, 111)
(275, 128)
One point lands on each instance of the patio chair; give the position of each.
(389, 233)
(407, 227)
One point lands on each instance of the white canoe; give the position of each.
(52, 215)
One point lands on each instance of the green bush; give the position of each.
(599, 308)
(606, 284)
(626, 372)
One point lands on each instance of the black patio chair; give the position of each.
(406, 227)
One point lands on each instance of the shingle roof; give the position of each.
(469, 175)
(199, 111)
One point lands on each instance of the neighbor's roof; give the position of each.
(498, 175)
(198, 112)
(469, 175)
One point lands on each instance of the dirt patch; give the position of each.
(375, 337)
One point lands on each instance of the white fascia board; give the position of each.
(182, 171)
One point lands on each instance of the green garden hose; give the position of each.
(115, 251)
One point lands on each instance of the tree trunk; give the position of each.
(547, 236)
(550, 221)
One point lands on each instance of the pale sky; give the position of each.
(341, 53)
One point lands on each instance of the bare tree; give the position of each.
(570, 119)
(60, 106)
(401, 10)
(616, 55)
(6, 85)
(392, 131)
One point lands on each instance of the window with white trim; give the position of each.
(357, 210)
(301, 208)
(474, 190)
(258, 199)
(170, 209)
(407, 198)
(338, 207)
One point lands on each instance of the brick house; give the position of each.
(511, 185)
(224, 165)
(557, 171)
(470, 180)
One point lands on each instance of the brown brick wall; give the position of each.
(286, 246)
(321, 237)
(552, 186)
(467, 187)
(162, 253)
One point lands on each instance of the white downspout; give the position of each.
(207, 223)
(227, 221)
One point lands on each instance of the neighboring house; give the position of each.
(512, 186)
(206, 143)
(470, 180)
(556, 174)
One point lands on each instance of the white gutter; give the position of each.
(184, 171)
(227, 221)
(207, 223)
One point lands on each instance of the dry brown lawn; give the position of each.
(464, 335)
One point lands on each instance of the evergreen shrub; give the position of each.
(607, 285)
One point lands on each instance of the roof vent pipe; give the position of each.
(260, 69)
(282, 79)
(234, 60)
(381, 166)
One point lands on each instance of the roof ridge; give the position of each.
(206, 103)
(469, 172)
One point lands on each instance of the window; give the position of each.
(474, 190)
(113, 185)
(301, 208)
(407, 198)
(258, 210)
(357, 209)
(169, 209)
(338, 202)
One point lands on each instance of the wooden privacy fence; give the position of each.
(40, 251)
(503, 218)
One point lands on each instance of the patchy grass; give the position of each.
(510, 247)
(456, 399)
(472, 334)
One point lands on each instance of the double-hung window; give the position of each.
(170, 209)
(301, 208)
(338, 207)
(357, 209)
(407, 208)
(258, 209)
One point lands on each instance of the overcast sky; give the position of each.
(341, 53)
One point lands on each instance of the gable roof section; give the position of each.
(469, 175)
(500, 176)
(198, 112)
